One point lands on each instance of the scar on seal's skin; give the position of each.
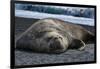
(52, 35)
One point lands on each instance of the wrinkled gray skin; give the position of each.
(51, 35)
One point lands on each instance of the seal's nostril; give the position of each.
(60, 37)
(57, 37)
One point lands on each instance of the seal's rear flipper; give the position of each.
(82, 46)
(77, 44)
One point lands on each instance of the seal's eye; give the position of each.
(48, 39)
(39, 34)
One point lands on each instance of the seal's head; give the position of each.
(53, 42)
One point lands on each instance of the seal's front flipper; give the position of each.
(77, 44)
(82, 45)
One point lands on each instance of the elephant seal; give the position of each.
(52, 35)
